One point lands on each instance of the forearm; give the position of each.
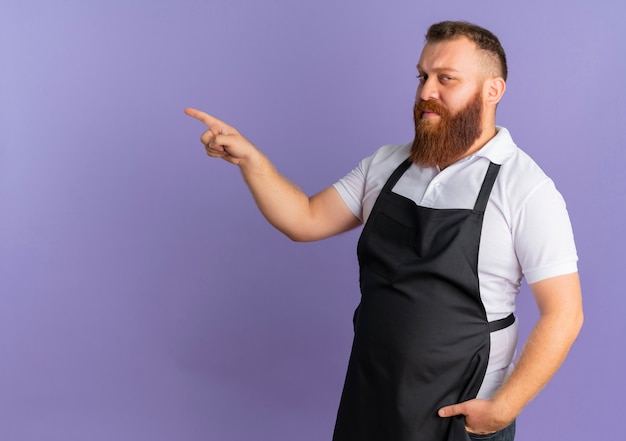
(282, 203)
(561, 316)
(543, 354)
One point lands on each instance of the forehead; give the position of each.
(460, 55)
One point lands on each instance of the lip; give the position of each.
(427, 114)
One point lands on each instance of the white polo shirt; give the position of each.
(526, 229)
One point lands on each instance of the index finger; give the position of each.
(210, 121)
(203, 117)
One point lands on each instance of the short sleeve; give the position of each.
(543, 236)
(351, 188)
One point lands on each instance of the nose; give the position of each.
(427, 90)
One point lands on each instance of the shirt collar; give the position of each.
(499, 148)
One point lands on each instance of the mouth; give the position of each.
(429, 114)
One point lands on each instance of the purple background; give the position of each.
(142, 297)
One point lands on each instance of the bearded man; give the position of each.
(452, 223)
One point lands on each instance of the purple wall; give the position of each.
(142, 297)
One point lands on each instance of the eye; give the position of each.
(445, 78)
(422, 78)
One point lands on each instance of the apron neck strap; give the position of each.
(485, 190)
(398, 172)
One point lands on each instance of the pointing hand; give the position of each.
(222, 140)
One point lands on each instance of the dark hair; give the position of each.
(484, 39)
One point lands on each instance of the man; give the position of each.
(453, 221)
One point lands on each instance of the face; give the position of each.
(450, 73)
(449, 107)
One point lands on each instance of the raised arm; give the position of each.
(284, 205)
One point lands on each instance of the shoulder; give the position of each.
(522, 190)
(520, 176)
(395, 153)
(359, 188)
(522, 173)
(384, 160)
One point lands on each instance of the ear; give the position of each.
(493, 89)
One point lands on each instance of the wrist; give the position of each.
(252, 160)
(504, 410)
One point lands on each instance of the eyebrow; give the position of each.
(440, 69)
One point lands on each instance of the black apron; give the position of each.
(421, 337)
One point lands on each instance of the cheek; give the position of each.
(457, 101)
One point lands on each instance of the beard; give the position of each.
(442, 143)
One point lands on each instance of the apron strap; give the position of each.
(497, 325)
(397, 173)
(485, 190)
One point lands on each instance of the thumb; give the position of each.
(453, 410)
